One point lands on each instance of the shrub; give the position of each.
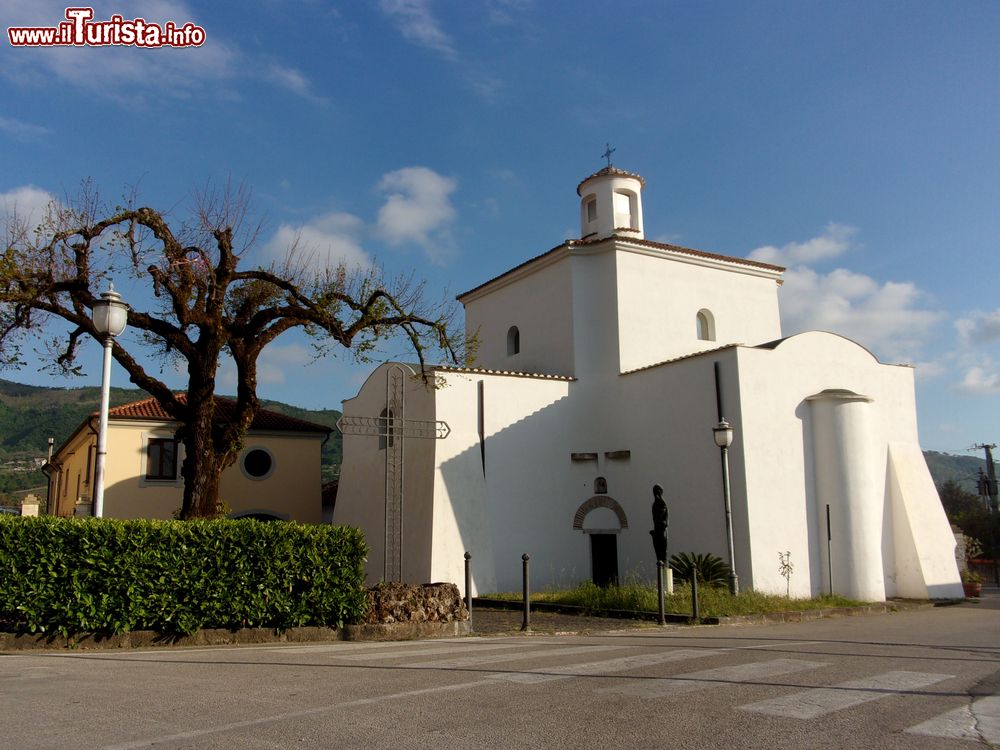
(712, 569)
(110, 576)
(970, 576)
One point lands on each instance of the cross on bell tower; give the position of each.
(607, 152)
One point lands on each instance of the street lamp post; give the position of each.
(723, 434)
(110, 317)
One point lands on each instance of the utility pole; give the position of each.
(988, 486)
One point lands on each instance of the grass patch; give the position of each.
(712, 602)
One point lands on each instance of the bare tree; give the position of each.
(202, 305)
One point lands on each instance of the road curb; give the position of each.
(407, 631)
(138, 639)
(805, 615)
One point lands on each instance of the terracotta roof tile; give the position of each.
(612, 171)
(149, 408)
(692, 355)
(510, 373)
(687, 251)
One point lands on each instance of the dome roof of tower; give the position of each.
(611, 172)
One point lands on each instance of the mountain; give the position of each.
(961, 469)
(30, 415)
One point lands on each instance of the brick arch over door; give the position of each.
(599, 501)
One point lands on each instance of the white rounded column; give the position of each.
(848, 481)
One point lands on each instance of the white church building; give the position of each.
(602, 367)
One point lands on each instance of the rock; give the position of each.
(403, 602)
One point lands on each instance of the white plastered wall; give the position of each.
(540, 305)
(669, 412)
(779, 454)
(520, 504)
(659, 300)
(361, 494)
(925, 559)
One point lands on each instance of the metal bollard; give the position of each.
(468, 585)
(694, 595)
(526, 622)
(659, 589)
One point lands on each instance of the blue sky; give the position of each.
(854, 142)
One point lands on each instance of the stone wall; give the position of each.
(391, 603)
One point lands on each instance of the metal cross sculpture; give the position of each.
(393, 427)
(608, 151)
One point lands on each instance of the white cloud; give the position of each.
(980, 382)
(417, 23)
(22, 131)
(27, 205)
(890, 318)
(487, 86)
(322, 242)
(929, 370)
(418, 209)
(504, 12)
(127, 73)
(293, 80)
(276, 360)
(979, 328)
(835, 240)
(505, 174)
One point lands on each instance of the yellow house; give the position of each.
(277, 475)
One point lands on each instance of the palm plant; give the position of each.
(712, 570)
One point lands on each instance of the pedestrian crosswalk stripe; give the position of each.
(347, 647)
(663, 687)
(979, 722)
(523, 655)
(809, 704)
(607, 666)
(402, 652)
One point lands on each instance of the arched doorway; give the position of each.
(602, 519)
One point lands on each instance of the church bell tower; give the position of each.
(611, 203)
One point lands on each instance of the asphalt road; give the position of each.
(920, 679)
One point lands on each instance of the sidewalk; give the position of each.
(508, 622)
(988, 599)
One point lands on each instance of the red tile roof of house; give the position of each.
(149, 408)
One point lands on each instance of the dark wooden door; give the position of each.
(604, 558)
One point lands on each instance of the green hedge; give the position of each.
(108, 576)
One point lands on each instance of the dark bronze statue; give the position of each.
(660, 524)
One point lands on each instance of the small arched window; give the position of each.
(626, 216)
(386, 425)
(706, 326)
(513, 341)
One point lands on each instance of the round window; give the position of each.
(257, 463)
